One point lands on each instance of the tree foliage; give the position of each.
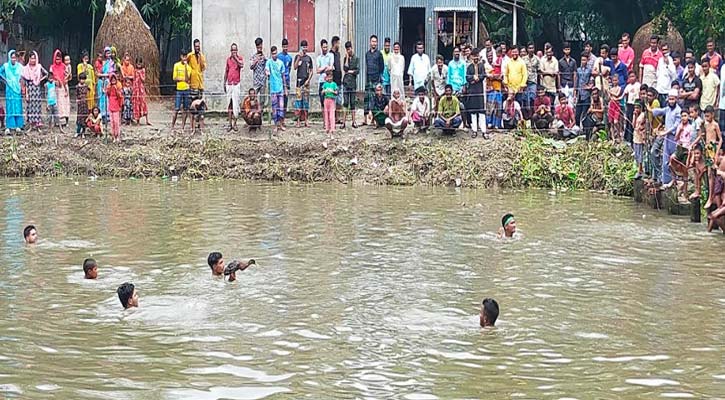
(697, 20)
(8, 8)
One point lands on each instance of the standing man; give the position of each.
(182, 77)
(197, 62)
(567, 73)
(303, 66)
(232, 78)
(626, 52)
(337, 76)
(274, 69)
(550, 74)
(386, 68)
(374, 66)
(648, 63)
(691, 89)
(419, 69)
(456, 71)
(351, 68)
(325, 62)
(665, 144)
(666, 73)
(532, 69)
(517, 76)
(618, 68)
(286, 59)
(712, 55)
(258, 62)
(710, 86)
(583, 87)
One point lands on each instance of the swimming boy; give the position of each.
(489, 313)
(234, 266)
(90, 268)
(508, 226)
(127, 295)
(30, 234)
(216, 263)
(713, 144)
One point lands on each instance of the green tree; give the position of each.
(168, 19)
(8, 8)
(697, 20)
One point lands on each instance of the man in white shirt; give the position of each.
(666, 73)
(419, 69)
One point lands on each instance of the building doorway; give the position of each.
(412, 30)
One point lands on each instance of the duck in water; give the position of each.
(234, 266)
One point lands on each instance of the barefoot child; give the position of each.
(197, 109)
(713, 144)
(127, 113)
(94, 122)
(82, 105)
(697, 163)
(140, 108)
(639, 135)
(115, 103)
(329, 91)
(615, 108)
(678, 160)
(52, 97)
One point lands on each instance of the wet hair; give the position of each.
(258, 41)
(504, 218)
(285, 42)
(27, 229)
(490, 309)
(125, 292)
(89, 264)
(213, 259)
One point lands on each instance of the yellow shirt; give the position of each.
(197, 70)
(182, 73)
(710, 88)
(516, 74)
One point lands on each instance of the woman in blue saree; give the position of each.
(10, 73)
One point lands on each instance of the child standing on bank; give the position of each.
(638, 136)
(52, 97)
(127, 113)
(115, 105)
(82, 105)
(329, 92)
(140, 109)
(713, 144)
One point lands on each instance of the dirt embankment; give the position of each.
(506, 160)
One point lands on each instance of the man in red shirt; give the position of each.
(565, 118)
(648, 64)
(714, 56)
(232, 75)
(542, 110)
(626, 52)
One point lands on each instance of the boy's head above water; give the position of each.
(127, 295)
(216, 263)
(30, 234)
(489, 312)
(90, 268)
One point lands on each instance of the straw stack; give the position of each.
(673, 38)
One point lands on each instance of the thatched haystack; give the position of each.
(124, 28)
(640, 41)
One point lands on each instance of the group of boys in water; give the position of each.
(128, 296)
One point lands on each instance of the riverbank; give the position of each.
(306, 155)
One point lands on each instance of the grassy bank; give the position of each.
(507, 160)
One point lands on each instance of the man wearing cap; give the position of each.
(664, 144)
(508, 226)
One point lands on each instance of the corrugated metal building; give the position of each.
(438, 23)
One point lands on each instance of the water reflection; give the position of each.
(360, 292)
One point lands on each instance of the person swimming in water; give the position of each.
(216, 263)
(234, 266)
(30, 234)
(127, 295)
(90, 268)
(508, 226)
(489, 313)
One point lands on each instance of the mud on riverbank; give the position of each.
(507, 160)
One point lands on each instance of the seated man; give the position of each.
(511, 115)
(542, 110)
(420, 109)
(378, 103)
(565, 121)
(449, 112)
(397, 121)
(252, 110)
(595, 115)
(489, 313)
